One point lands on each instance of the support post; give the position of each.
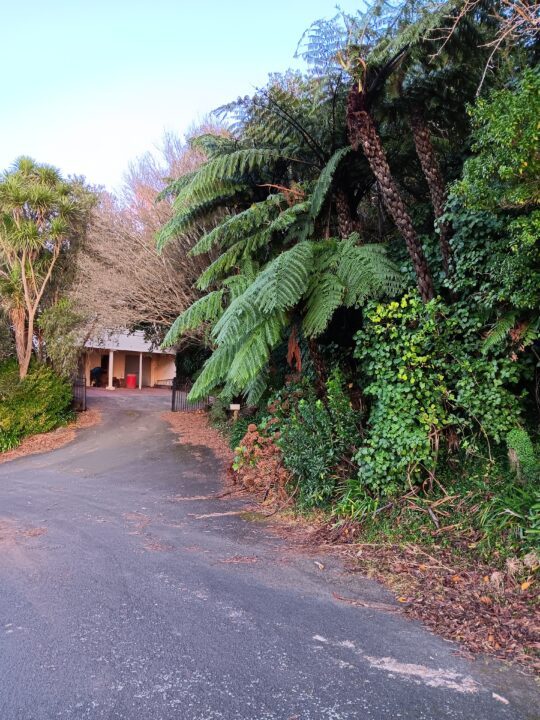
(110, 386)
(140, 371)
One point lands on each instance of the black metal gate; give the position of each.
(79, 394)
(179, 401)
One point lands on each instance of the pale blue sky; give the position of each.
(88, 85)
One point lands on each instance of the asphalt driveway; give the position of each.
(118, 601)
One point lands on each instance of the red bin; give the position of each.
(131, 382)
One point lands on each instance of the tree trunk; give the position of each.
(346, 223)
(319, 366)
(432, 171)
(18, 323)
(362, 132)
(24, 364)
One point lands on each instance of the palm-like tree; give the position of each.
(38, 216)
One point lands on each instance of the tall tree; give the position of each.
(41, 216)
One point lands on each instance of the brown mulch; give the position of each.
(193, 428)
(45, 442)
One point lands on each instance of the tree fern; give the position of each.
(366, 271)
(234, 227)
(214, 372)
(207, 309)
(325, 297)
(324, 182)
(187, 219)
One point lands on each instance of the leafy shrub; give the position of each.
(429, 381)
(522, 454)
(218, 414)
(317, 439)
(37, 404)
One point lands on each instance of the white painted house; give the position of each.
(121, 354)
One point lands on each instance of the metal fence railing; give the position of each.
(79, 394)
(179, 401)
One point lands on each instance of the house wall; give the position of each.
(93, 359)
(119, 364)
(156, 368)
(163, 368)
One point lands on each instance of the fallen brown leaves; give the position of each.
(259, 468)
(10, 533)
(458, 597)
(193, 428)
(52, 440)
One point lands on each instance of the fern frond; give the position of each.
(233, 227)
(214, 145)
(206, 309)
(283, 281)
(213, 373)
(256, 388)
(499, 332)
(176, 186)
(254, 351)
(324, 181)
(323, 300)
(221, 265)
(239, 318)
(234, 166)
(366, 271)
(186, 219)
(278, 287)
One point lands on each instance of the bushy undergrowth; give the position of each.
(37, 404)
(477, 508)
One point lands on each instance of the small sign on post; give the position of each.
(235, 407)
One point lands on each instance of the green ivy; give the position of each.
(424, 369)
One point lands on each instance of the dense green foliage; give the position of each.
(316, 439)
(36, 404)
(396, 160)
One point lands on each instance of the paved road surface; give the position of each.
(117, 603)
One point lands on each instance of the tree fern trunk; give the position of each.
(362, 132)
(346, 223)
(319, 366)
(432, 171)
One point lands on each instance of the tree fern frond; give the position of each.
(283, 281)
(213, 373)
(176, 186)
(324, 181)
(255, 349)
(192, 194)
(214, 145)
(366, 271)
(499, 332)
(206, 309)
(221, 265)
(234, 166)
(233, 227)
(186, 219)
(239, 318)
(238, 284)
(322, 302)
(256, 388)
